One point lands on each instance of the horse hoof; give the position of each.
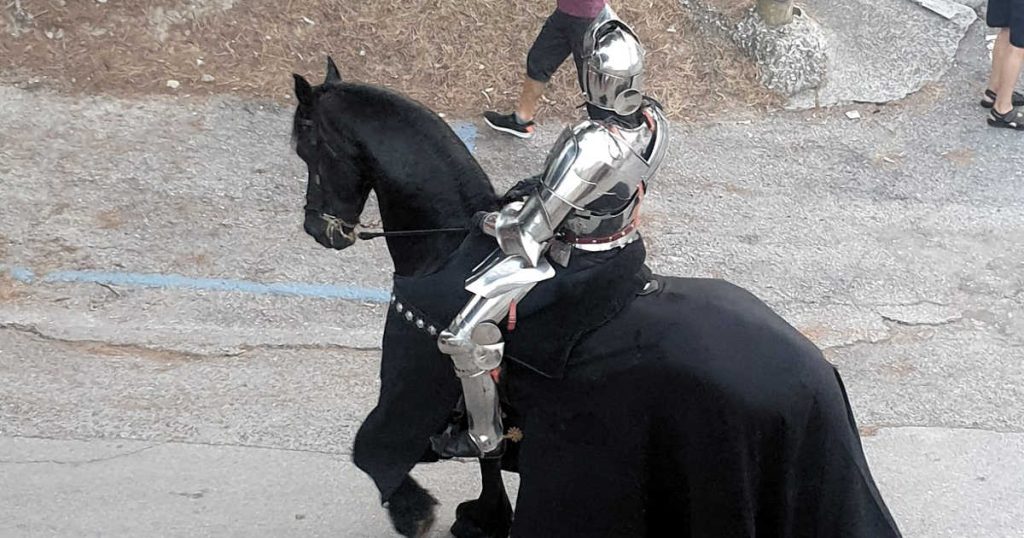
(411, 509)
(473, 520)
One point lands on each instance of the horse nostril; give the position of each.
(328, 230)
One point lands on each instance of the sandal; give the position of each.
(1014, 119)
(990, 99)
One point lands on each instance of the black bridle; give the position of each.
(322, 141)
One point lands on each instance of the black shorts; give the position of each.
(561, 35)
(1008, 14)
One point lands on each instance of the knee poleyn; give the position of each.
(479, 350)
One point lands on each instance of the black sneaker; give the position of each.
(507, 123)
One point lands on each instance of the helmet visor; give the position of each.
(619, 94)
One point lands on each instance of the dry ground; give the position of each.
(456, 56)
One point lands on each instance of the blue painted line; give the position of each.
(22, 275)
(172, 281)
(467, 132)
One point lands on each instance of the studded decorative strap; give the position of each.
(414, 316)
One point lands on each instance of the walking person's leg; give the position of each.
(529, 99)
(1004, 15)
(1007, 62)
(995, 79)
(576, 32)
(549, 50)
(1010, 68)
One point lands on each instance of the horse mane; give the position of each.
(381, 108)
(375, 102)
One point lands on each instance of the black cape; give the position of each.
(685, 409)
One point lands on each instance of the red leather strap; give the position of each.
(511, 317)
(619, 234)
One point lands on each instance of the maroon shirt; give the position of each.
(586, 9)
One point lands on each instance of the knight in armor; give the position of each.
(588, 199)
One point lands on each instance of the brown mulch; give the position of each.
(734, 9)
(456, 56)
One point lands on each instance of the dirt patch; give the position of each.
(888, 159)
(869, 431)
(456, 56)
(109, 219)
(960, 157)
(734, 9)
(8, 289)
(129, 351)
(815, 333)
(198, 260)
(105, 349)
(900, 370)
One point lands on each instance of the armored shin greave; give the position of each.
(474, 342)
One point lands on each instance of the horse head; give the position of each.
(338, 185)
(358, 138)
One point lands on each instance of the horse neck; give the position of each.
(419, 185)
(442, 193)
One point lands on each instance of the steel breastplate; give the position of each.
(611, 219)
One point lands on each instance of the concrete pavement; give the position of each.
(134, 488)
(137, 488)
(894, 242)
(101, 441)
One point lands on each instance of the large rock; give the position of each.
(851, 51)
(883, 50)
(791, 57)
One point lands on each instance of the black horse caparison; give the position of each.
(333, 209)
(691, 410)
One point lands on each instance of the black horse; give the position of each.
(651, 406)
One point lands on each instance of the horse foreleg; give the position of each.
(411, 509)
(490, 516)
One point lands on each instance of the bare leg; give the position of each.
(998, 53)
(529, 98)
(1009, 72)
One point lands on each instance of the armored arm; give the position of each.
(577, 173)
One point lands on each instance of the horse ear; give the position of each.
(303, 91)
(333, 76)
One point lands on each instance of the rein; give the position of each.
(337, 223)
(404, 233)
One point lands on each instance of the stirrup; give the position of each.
(455, 442)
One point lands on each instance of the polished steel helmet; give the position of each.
(614, 64)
